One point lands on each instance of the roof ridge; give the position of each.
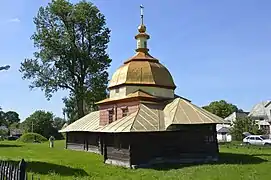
(176, 108)
(135, 117)
(198, 111)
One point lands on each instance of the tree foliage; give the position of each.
(8, 118)
(71, 111)
(71, 40)
(241, 125)
(4, 67)
(2, 117)
(11, 117)
(58, 123)
(222, 108)
(41, 122)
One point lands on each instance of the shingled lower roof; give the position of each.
(147, 119)
(181, 111)
(144, 120)
(89, 123)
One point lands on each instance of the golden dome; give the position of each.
(142, 70)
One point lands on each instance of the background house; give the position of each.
(261, 113)
(223, 130)
(223, 135)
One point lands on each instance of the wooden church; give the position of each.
(143, 122)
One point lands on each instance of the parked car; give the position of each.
(12, 138)
(257, 140)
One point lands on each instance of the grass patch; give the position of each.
(236, 162)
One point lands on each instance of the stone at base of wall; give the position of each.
(118, 163)
(90, 150)
(96, 151)
(157, 161)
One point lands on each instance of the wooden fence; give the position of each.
(10, 171)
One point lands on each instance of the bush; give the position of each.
(32, 137)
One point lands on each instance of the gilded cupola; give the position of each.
(142, 71)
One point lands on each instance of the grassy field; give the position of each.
(235, 163)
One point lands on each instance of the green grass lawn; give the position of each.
(235, 163)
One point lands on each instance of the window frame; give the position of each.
(125, 112)
(110, 115)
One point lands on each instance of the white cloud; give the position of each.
(14, 20)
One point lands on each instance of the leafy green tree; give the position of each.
(2, 117)
(58, 123)
(241, 125)
(70, 110)
(3, 133)
(8, 118)
(11, 117)
(71, 40)
(40, 122)
(222, 108)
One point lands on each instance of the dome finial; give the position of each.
(142, 37)
(142, 27)
(141, 13)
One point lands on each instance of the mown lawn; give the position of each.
(235, 163)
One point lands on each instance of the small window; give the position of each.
(124, 112)
(258, 139)
(117, 90)
(110, 115)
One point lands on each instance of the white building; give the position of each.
(261, 113)
(223, 130)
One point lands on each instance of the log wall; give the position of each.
(104, 110)
(84, 141)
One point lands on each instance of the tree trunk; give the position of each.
(80, 107)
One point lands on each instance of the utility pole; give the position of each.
(32, 126)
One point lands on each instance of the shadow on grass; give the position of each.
(46, 168)
(9, 145)
(224, 158)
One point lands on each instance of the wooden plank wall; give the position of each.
(193, 142)
(84, 141)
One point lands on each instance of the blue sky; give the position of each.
(213, 49)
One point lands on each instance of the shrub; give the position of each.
(31, 137)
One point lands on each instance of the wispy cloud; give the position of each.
(14, 20)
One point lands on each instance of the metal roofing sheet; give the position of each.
(90, 122)
(180, 111)
(147, 118)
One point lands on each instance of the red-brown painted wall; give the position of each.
(104, 114)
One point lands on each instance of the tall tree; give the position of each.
(41, 122)
(58, 123)
(2, 117)
(72, 41)
(11, 117)
(70, 109)
(222, 108)
(241, 125)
